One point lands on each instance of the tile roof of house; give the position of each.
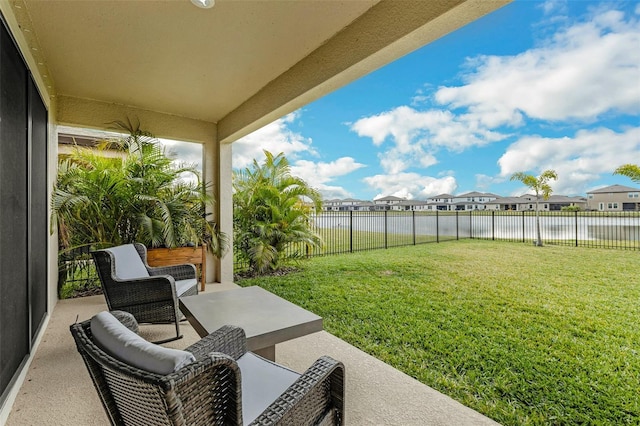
(508, 200)
(566, 199)
(473, 194)
(390, 198)
(613, 188)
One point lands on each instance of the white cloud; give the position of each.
(579, 161)
(184, 152)
(483, 182)
(330, 192)
(554, 7)
(417, 135)
(422, 96)
(275, 138)
(581, 73)
(410, 185)
(319, 175)
(584, 71)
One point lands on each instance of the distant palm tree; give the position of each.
(271, 215)
(632, 171)
(540, 185)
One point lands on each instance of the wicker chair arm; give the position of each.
(191, 371)
(318, 392)
(178, 272)
(201, 386)
(228, 339)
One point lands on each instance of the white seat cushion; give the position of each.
(262, 383)
(128, 263)
(118, 341)
(184, 285)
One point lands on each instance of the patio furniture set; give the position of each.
(228, 377)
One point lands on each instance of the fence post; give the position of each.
(523, 239)
(457, 226)
(437, 226)
(350, 231)
(307, 248)
(576, 216)
(470, 225)
(413, 218)
(493, 225)
(385, 228)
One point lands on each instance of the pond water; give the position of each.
(513, 226)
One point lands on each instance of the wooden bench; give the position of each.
(180, 255)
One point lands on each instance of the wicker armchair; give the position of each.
(150, 294)
(215, 388)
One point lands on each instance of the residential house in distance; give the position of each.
(614, 198)
(389, 203)
(409, 205)
(523, 202)
(442, 202)
(331, 205)
(419, 205)
(557, 202)
(348, 204)
(68, 142)
(473, 200)
(527, 202)
(475, 197)
(364, 206)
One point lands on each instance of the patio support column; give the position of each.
(217, 169)
(225, 209)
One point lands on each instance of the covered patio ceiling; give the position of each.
(240, 64)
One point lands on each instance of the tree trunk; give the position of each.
(539, 237)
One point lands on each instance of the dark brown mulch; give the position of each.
(285, 270)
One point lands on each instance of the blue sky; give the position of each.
(532, 86)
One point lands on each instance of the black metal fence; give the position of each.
(346, 232)
(76, 272)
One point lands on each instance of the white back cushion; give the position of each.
(262, 383)
(128, 263)
(114, 338)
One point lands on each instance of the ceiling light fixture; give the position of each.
(204, 4)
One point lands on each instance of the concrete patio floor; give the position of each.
(58, 391)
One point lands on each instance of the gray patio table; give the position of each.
(266, 318)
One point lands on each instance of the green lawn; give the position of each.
(522, 334)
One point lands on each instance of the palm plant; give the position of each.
(632, 171)
(141, 195)
(540, 185)
(271, 217)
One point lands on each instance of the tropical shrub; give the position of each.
(272, 213)
(139, 195)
